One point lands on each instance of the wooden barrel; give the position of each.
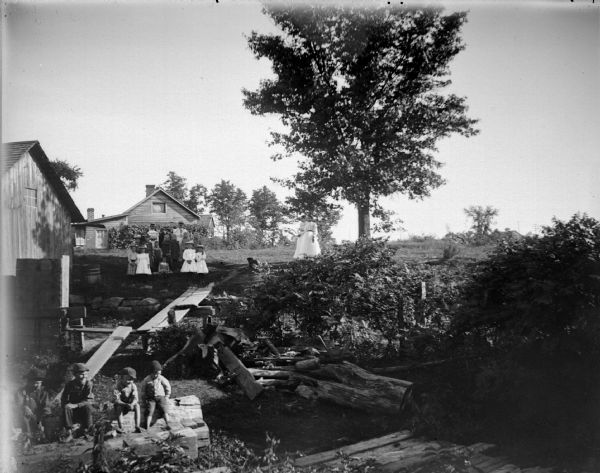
(92, 274)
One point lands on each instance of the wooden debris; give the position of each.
(330, 455)
(280, 383)
(271, 374)
(243, 377)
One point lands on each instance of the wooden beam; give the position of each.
(190, 298)
(90, 329)
(65, 266)
(359, 447)
(105, 351)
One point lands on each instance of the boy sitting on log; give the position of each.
(34, 405)
(76, 401)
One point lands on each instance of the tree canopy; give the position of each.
(266, 214)
(316, 207)
(359, 90)
(193, 198)
(229, 203)
(69, 174)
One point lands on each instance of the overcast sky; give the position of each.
(130, 91)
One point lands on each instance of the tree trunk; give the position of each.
(364, 221)
(363, 398)
(349, 385)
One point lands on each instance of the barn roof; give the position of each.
(12, 152)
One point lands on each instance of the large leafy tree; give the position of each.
(68, 173)
(266, 214)
(229, 203)
(360, 92)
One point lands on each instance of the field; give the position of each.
(414, 250)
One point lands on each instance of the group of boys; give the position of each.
(77, 397)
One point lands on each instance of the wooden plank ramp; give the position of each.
(402, 452)
(190, 298)
(106, 350)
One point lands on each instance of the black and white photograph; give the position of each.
(300, 236)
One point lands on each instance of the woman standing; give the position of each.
(307, 244)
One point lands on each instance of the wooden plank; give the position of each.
(65, 264)
(363, 446)
(90, 329)
(242, 376)
(191, 297)
(105, 351)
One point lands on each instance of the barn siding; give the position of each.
(142, 214)
(43, 231)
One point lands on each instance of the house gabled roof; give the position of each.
(12, 152)
(202, 218)
(157, 191)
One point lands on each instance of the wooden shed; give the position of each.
(37, 210)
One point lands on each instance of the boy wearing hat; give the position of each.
(156, 390)
(34, 402)
(76, 400)
(126, 398)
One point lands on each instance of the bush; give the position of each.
(540, 286)
(123, 236)
(353, 283)
(531, 326)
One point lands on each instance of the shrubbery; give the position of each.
(355, 292)
(124, 235)
(532, 320)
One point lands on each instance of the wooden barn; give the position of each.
(37, 210)
(36, 245)
(158, 207)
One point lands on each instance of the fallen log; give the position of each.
(271, 374)
(280, 383)
(349, 385)
(351, 374)
(242, 376)
(363, 398)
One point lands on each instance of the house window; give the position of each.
(31, 197)
(159, 208)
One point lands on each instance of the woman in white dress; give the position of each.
(143, 261)
(307, 244)
(189, 258)
(201, 260)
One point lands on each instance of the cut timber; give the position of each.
(271, 374)
(356, 448)
(105, 351)
(352, 374)
(242, 376)
(190, 298)
(280, 383)
(349, 385)
(364, 398)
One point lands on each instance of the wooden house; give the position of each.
(37, 210)
(158, 207)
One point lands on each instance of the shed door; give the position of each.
(101, 238)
